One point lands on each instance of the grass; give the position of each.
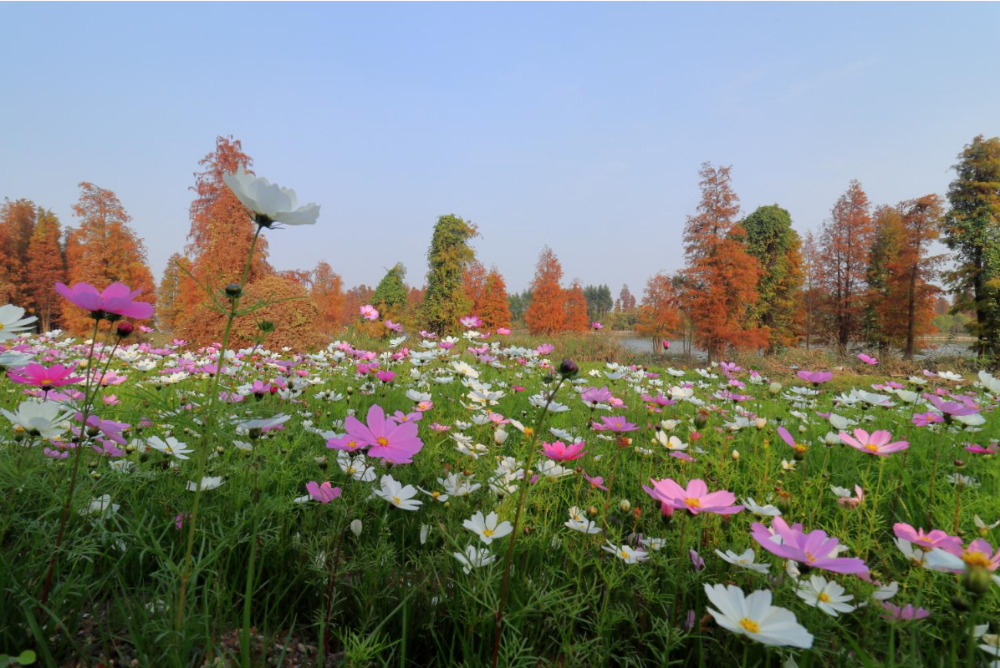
(265, 566)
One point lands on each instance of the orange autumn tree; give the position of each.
(547, 312)
(845, 242)
(659, 317)
(168, 297)
(474, 285)
(45, 269)
(103, 250)
(721, 273)
(326, 288)
(17, 224)
(494, 310)
(576, 309)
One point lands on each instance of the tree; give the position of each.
(599, 301)
(547, 313)
(17, 224)
(845, 243)
(972, 229)
(884, 318)
(445, 300)
(659, 318)
(168, 294)
(327, 291)
(494, 310)
(575, 304)
(391, 292)
(46, 267)
(777, 248)
(474, 285)
(219, 238)
(813, 296)
(354, 299)
(103, 250)
(517, 304)
(722, 274)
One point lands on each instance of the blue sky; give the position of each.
(580, 126)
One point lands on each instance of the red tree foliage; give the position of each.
(576, 309)
(17, 223)
(659, 317)
(474, 284)
(494, 310)
(45, 269)
(327, 289)
(845, 243)
(722, 274)
(547, 312)
(102, 250)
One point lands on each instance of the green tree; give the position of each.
(971, 228)
(518, 303)
(445, 300)
(777, 247)
(390, 294)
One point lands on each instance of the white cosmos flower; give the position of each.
(12, 358)
(755, 617)
(170, 446)
(13, 323)
(101, 505)
(825, 594)
(745, 560)
(474, 557)
(48, 419)
(356, 466)
(395, 493)
(626, 553)
(487, 528)
(269, 201)
(207, 483)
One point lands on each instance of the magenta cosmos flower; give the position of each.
(876, 443)
(116, 300)
(56, 375)
(815, 377)
(786, 436)
(867, 359)
(559, 451)
(395, 443)
(324, 493)
(695, 498)
(616, 424)
(470, 322)
(906, 613)
(814, 549)
(951, 408)
(928, 540)
(369, 312)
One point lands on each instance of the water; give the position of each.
(957, 348)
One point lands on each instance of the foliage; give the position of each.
(659, 318)
(391, 294)
(493, 309)
(599, 301)
(575, 303)
(17, 223)
(46, 267)
(168, 294)
(971, 228)
(722, 274)
(326, 288)
(445, 300)
(547, 312)
(777, 248)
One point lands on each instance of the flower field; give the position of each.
(166, 505)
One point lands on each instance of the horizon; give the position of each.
(579, 127)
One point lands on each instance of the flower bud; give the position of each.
(592, 511)
(736, 455)
(774, 388)
(977, 581)
(568, 369)
(701, 418)
(624, 505)
(124, 329)
(233, 290)
(356, 527)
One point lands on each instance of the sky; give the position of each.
(577, 126)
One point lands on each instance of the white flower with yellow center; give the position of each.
(395, 493)
(487, 528)
(270, 202)
(826, 595)
(13, 323)
(754, 616)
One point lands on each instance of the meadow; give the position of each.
(646, 502)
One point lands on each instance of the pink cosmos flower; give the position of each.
(666, 345)
(503, 331)
(597, 482)
(144, 329)
(696, 560)
(951, 408)
(593, 395)
(815, 377)
(877, 443)
(440, 428)
(695, 498)
(116, 300)
(424, 406)
(110, 400)
(596, 326)
(991, 449)
(559, 451)
(852, 502)
(369, 312)
(786, 436)
(324, 493)
(395, 443)
(658, 400)
(399, 417)
(394, 326)
(814, 549)
(386, 376)
(928, 541)
(56, 375)
(926, 419)
(906, 613)
(616, 424)
(470, 322)
(545, 349)
(867, 359)
(346, 443)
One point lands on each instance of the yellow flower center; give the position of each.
(798, 447)
(623, 554)
(810, 557)
(692, 503)
(487, 532)
(46, 381)
(823, 596)
(976, 559)
(396, 500)
(871, 447)
(351, 445)
(435, 494)
(382, 440)
(749, 625)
